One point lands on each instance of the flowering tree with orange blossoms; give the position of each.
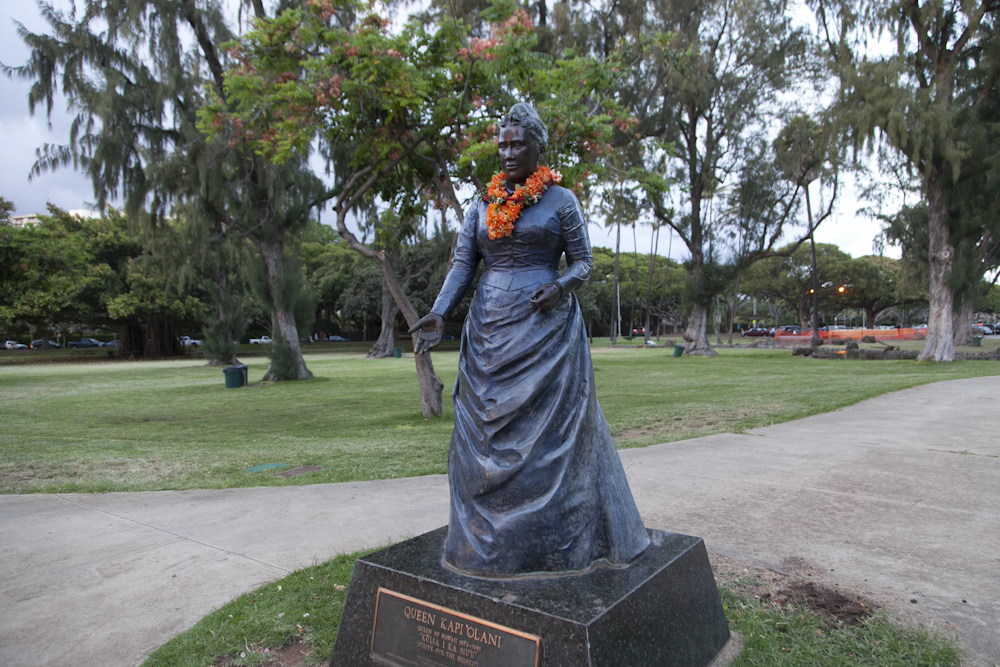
(405, 113)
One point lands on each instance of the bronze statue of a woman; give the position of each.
(536, 483)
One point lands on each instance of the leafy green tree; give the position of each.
(873, 284)
(79, 273)
(46, 269)
(6, 208)
(146, 301)
(789, 279)
(927, 101)
(620, 203)
(330, 267)
(991, 301)
(137, 73)
(708, 78)
(399, 114)
(977, 253)
(361, 302)
(803, 153)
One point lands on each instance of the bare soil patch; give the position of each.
(286, 656)
(798, 586)
(829, 603)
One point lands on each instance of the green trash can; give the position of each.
(977, 341)
(397, 352)
(678, 350)
(236, 376)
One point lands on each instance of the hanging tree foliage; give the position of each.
(930, 101)
(136, 73)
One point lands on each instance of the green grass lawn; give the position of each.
(302, 611)
(131, 426)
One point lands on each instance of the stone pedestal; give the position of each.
(405, 608)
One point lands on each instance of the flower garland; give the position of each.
(504, 209)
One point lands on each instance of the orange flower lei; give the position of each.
(504, 210)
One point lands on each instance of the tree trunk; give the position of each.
(963, 320)
(616, 294)
(225, 355)
(717, 322)
(225, 299)
(732, 309)
(649, 285)
(282, 314)
(430, 384)
(940, 343)
(133, 340)
(696, 335)
(815, 342)
(226, 325)
(635, 286)
(383, 347)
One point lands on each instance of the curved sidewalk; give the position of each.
(898, 496)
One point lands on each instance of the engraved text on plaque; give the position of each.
(411, 633)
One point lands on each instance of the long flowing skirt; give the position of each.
(536, 483)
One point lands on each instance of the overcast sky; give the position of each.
(22, 134)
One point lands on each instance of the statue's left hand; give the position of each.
(546, 296)
(431, 328)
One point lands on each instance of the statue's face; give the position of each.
(518, 156)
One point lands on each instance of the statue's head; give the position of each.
(522, 142)
(524, 115)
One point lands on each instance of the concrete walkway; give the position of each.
(898, 496)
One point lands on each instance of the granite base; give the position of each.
(405, 608)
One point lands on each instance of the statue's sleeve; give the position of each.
(463, 267)
(579, 258)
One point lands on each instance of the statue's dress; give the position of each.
(536, 483)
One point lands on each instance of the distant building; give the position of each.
(32, 218)
(22, 220)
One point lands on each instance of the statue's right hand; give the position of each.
(431, 328)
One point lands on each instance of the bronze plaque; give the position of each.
(412, 633)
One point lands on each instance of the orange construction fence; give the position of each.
(904, 333)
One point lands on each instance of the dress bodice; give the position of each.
(528, 257)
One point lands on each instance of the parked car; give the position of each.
(185, 341)
(982, 330)
(263, 340)
(14, 345)
(987, 328)
(791, 329)
(113, 343)
(337, 339)
(920, 326)
(35, 344)
(85, 342)
(755, 332)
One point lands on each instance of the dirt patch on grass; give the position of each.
(831, 604)
(799, 586)
(286, 656)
